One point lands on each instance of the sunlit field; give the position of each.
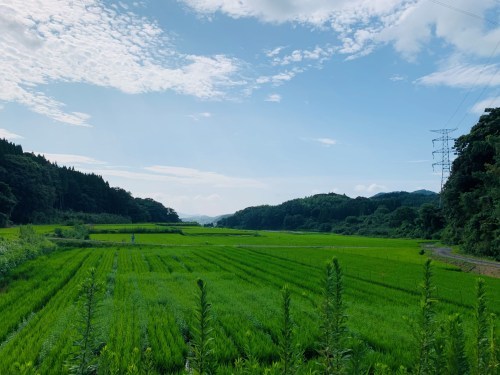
(149, 295)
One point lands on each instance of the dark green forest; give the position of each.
(34, 190)
(397, 214)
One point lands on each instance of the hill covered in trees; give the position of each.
(397, 214)
(34, 190)
(471, 196)
(469, 217)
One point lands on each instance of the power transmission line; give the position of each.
(487, 64)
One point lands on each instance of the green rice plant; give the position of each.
(456, 358)
(249, 364)
(201, 359)
(25, 369)
(427, 324)
(147, 367)
(85, 358)
(109, 364)
(493, 350)
(333, 353)
(134, 367)
(481, 334)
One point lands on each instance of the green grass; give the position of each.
(150, 290)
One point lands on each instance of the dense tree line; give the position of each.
(34, 190)
(397, 214)
(471, 196)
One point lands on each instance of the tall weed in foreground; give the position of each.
(333, 354)
(426, 325)
(85, 358)
(481, 339)
(201, 361)
(456, 358)
(289, 355)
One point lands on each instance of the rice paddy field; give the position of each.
(149, 290)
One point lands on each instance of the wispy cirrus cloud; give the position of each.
(88, 42)
(463, 75)
(194, 176)
(201, 115)
(397, 78)
(71, 159)
(491, 102)
(371, 188)
(327, 142)
(274, 98)
(5, 134)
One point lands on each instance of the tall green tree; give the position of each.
(471, 196)
(7, 203)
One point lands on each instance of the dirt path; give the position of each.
(466, 263)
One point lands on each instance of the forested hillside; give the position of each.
(34, 190)
(398, 214)
(471, 195)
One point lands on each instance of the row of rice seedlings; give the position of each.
(35, 343)
(43, 275)
(164, 334)
(127, 330)
(59, 353)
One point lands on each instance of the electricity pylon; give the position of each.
(445, 150)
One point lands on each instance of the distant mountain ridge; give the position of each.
(419, 192)
(396, 214)
(202, 219)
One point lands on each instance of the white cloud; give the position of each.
(397, 78)
(194, 176)
(279, 78)
(198, 116)
(479, 107)
(274, 51)
(319, 54)
(372, 188)
(463, 75)
(326, 141)
(68, 41)
(361, 24)
(70, 159)
(276, 98)
(5, 134)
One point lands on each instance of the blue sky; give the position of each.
(211, 106)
